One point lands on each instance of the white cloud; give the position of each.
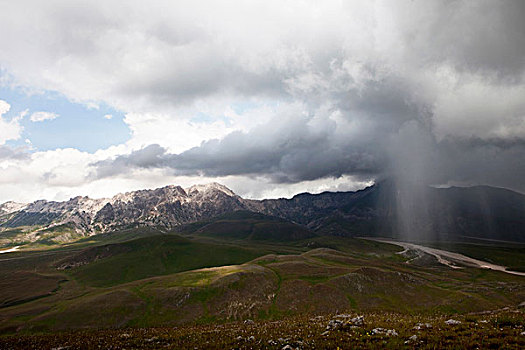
(108, 116)
(261, 187)
(4, 107)
(9, 129)
(42, 116)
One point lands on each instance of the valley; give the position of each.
(446, 258)
(200, 276)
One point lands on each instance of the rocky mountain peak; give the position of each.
(10, 207)
(166, 193)
(209, 188)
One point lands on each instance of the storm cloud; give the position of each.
(431, 91)
(290, 158)
(293, 150)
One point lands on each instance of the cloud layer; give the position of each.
(272, 92)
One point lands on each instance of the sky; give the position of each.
(270, 98)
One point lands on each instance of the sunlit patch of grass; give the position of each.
(203, 277)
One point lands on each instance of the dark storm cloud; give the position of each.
(151, 156)
(292, 152)
(297, 155)
(292, 156)
(497, 162)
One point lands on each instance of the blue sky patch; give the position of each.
(77, 125)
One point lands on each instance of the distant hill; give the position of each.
(446, 213)
(246, 225)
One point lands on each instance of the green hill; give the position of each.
(246, 225)
(116, 263)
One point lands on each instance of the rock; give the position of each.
(251, 338)
(387, 332)
(378, 331)
(325, 333)
(334, 324)
(412, 339)
(452, 322)
(522, 333)
(358, 321)
(337, 324)
(249, 321)
(343, 316)
(420, 326)
(392, 333)
(287, 347)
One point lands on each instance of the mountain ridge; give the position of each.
(374, 210)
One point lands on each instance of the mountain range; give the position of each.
(455, 212)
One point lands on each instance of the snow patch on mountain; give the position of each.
(11, 207)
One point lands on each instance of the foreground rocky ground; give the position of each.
(497, 329)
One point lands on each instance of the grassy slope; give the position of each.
(140, 277)
(361, 275)
(153, 256)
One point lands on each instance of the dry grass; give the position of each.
(500, 329)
